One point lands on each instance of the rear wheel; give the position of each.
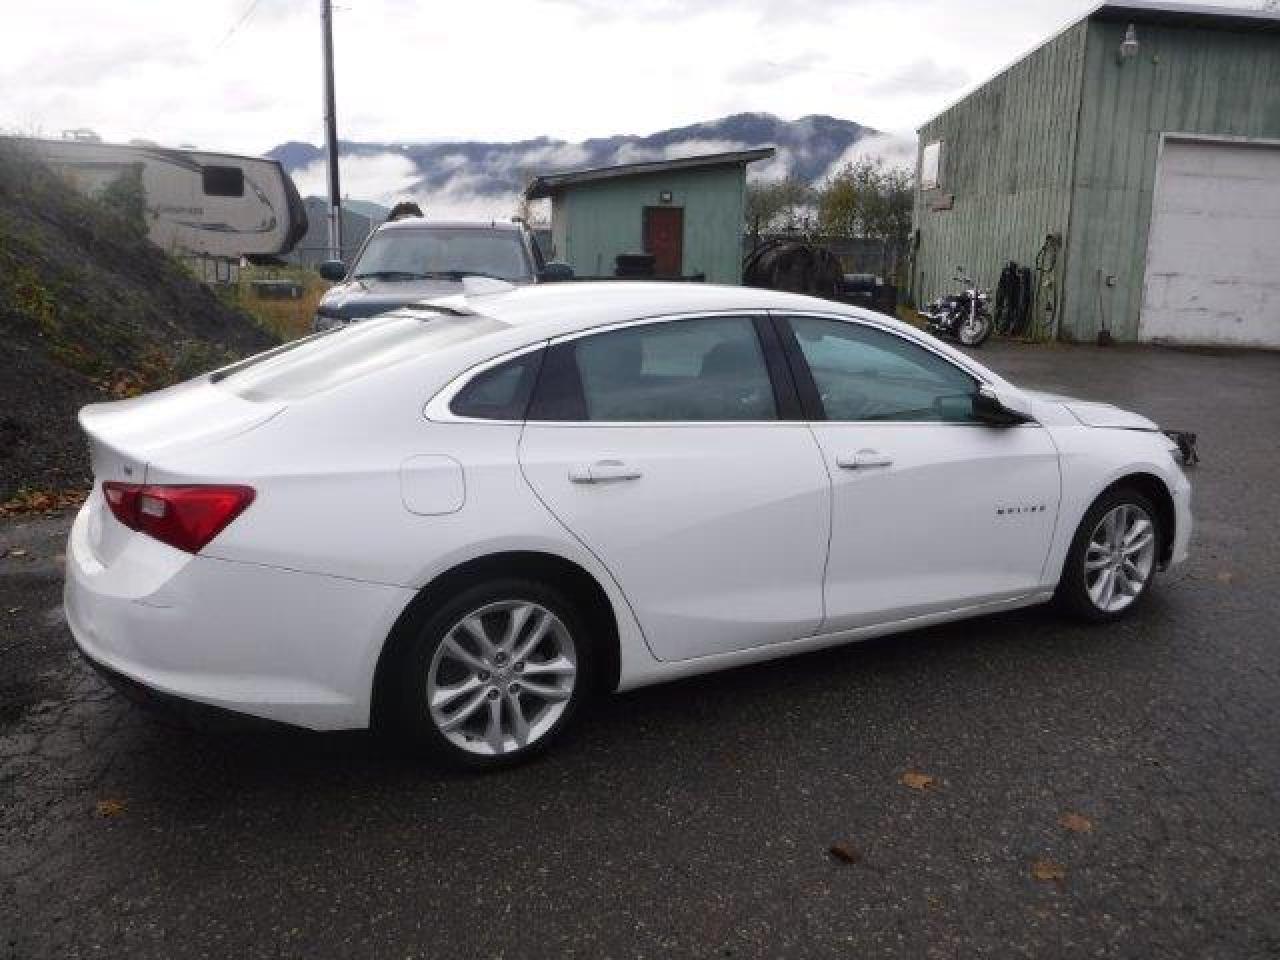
(1112, 561)
(494, 675)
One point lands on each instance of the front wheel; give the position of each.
(494, 675)
(975, 328)
(1112, 561)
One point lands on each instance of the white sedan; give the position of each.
(463, 517)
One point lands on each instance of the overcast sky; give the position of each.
(200, 72)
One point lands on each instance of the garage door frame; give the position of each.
(1179, 137)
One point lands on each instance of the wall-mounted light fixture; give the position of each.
(1129, 45)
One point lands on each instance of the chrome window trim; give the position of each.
(437, 409)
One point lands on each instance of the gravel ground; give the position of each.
(696, 819)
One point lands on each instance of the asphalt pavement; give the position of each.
(1014, 786)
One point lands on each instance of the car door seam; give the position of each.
(582, 543)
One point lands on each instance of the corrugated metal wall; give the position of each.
(1006, 159)
(1183, 80)
(594, 222)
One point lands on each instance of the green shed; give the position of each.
(1146, 138)
(686, 212)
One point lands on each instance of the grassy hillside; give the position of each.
(89, 310)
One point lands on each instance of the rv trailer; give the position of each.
(210, 209)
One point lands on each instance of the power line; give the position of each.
(244, 18)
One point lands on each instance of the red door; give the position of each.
(664, 238)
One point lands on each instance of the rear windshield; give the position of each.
(326, 360)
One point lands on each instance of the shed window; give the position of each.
(931, 166)
(223, 181)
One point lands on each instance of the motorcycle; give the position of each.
(966, 316)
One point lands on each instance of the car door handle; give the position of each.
(863, 458)
(603, 471)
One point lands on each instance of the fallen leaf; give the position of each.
(844, 853)
(916, 781)
(1075, 822)
(110, 808)
(1047, 870)
(933, 900)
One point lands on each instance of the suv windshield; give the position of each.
(451, 252)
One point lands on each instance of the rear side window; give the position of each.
(709, 369)
(223, 181)
(501, 392)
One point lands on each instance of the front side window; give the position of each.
(708, 369)
(862, 373)
(445, 252)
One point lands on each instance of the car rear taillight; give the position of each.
(184, 516)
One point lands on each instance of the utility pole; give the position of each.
(331, 134)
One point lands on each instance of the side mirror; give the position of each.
(556, 272)
(1000, 406)
(333, 270)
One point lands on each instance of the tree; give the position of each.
(867, 198)
(777, 205)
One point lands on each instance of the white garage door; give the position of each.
(1213, 257)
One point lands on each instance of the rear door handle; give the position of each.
(603, 471)
(863, 458)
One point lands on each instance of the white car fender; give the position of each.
(1092, 459)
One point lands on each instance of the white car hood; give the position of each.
(1093, 414)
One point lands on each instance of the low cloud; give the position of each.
(892, 149)
(379, 177)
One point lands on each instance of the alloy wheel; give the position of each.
(501, 678)
(1119, 558)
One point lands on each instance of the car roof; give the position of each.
(554, 309)
(536, 312)
(421, 223)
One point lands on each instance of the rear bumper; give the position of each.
(188, 712)
(294, 648)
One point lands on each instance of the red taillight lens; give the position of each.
(186, 517)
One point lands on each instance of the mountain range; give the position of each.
(483, 178)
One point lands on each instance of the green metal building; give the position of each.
(686, 212)
(1146, 136)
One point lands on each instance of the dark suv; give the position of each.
(408, 260)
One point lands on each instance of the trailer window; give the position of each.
(223, 182)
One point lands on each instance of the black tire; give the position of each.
(1072, 595)
(415, 720)
(976, 335)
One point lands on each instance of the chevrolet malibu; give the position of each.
(462, 518)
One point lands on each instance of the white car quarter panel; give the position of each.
(288, 646)
(958, 514)
(718, 541)
(432, 484)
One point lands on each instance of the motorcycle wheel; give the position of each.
(973, 331)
